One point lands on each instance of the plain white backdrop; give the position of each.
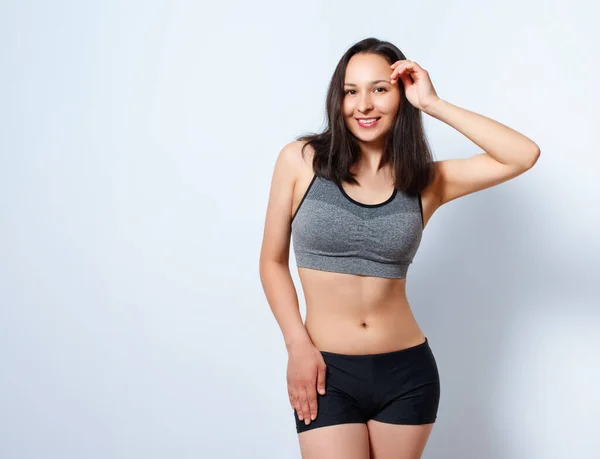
(137, 147)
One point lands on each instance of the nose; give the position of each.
(364, 104)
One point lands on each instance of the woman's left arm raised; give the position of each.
(507, 153)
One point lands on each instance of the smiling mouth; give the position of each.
(367, 122)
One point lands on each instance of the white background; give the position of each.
(137, 145)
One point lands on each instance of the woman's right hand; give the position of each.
(305, 374)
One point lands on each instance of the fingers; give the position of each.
(303, 397)
(396, 73)
(304, 403)
(395, 64)
(407, 66)
(300, 401)
(321, 378)
(294, 399)
(303, 385)
(311, 392)
(312, 402)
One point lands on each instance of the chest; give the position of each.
(330, 222)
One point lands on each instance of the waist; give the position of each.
(366, 337)
(353, 327)
(351, 314)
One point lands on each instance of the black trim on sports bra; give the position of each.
(304, 197)
(390, 199)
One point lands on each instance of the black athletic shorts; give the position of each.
(399, 387)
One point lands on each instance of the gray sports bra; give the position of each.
(333, 232)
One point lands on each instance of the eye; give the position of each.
(380, 87)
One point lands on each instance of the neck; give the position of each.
(370, 158)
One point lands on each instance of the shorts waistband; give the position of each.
(382, 354)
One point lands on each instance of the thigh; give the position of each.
(341, 441)
(397, 441)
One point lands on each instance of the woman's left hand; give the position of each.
(417, 84)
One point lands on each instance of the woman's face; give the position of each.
(368, 94)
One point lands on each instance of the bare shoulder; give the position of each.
(298, 154)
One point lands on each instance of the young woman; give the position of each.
(362, 378)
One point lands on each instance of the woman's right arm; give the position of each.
(306, 368)
(274, 256)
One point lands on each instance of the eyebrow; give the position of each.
(372, 82)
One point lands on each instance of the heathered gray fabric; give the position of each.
(332, 232)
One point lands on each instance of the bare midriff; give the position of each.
(352, 314)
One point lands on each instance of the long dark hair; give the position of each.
(406, 147)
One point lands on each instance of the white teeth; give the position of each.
(369, 121)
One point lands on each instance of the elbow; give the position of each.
(266, 263)
(533, 157)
